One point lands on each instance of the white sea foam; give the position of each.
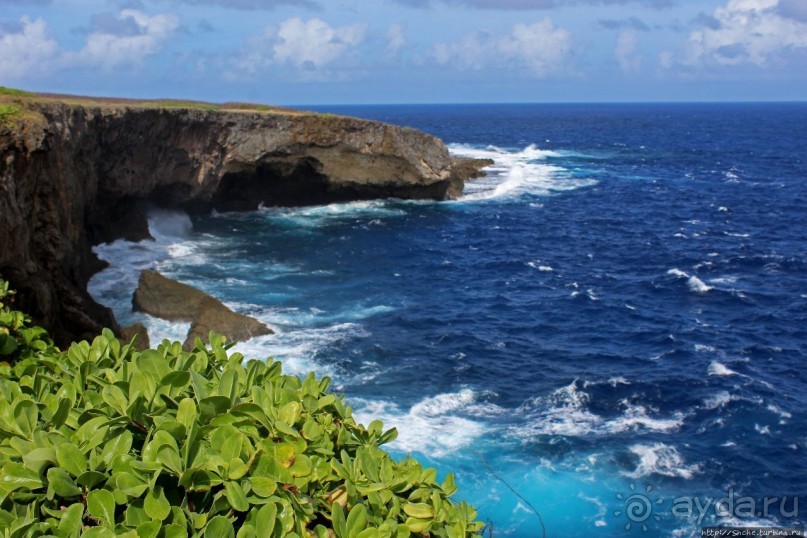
(317, 216)
(514, 173)
(438, 426)
(697, 285)
(762, 430)
(677, 272)
(541, 267)
(694, 283)
(783, 415)
(660, 459)
(717, 400)
(719, 369)
(566, 412)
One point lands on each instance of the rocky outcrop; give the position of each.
(174, 301)
(214, 316)
(139, 334)
(73, 175)
(164, 298)
(464, 169)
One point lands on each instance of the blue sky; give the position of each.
(409, 51)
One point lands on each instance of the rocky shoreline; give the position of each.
(74, 174)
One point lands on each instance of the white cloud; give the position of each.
(540, 48)
(396, 39)
(109, 50)
(314, 43)
(626, 51)
(309, 50)
(745, 32)
(26, 51)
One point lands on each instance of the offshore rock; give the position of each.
(174, 301)
(214, 316)
(77, 172)
(164, 298)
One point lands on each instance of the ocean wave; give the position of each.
(515, 173)
(694, 283)
(437, 426)
(322, 215)
(566, 413)
(660, 459)
(720, 369)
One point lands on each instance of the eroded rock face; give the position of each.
(174, 301)
(80, 175)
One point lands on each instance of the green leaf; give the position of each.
(71, 459)
(150, 529)
(388, 436)
(156, 505)
(129, 484)
(61, 483)
(119, 445)
(290, 412)
(265, 522)
(26, 415)
(14, 476)
(212, 407)
(235, 496)
(70, 524)
(219, 527)
(62, 412)
(174, 531)
(8, 344)
(39, 458)
(98, 532)
(115, 398)
(263, 486)
(231, 447)
(90, 479)
(237, 469)
(176, 380)
(356, 520)
(186, 413)
(169, 457)
(101, 504)
(418, 510)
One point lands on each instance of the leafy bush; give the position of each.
(8, 113)
(103, 440)
(17, 338)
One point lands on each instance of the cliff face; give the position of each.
(80, 175)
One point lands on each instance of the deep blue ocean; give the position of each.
(610, 329)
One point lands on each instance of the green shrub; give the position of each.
(103, 440)
(8, 113)
(18, 339)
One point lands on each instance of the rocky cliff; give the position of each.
(73, 174)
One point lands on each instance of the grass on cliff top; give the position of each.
(20, 98)
(14, 92)
(13, 107)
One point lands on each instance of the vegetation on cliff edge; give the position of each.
(103, 440)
